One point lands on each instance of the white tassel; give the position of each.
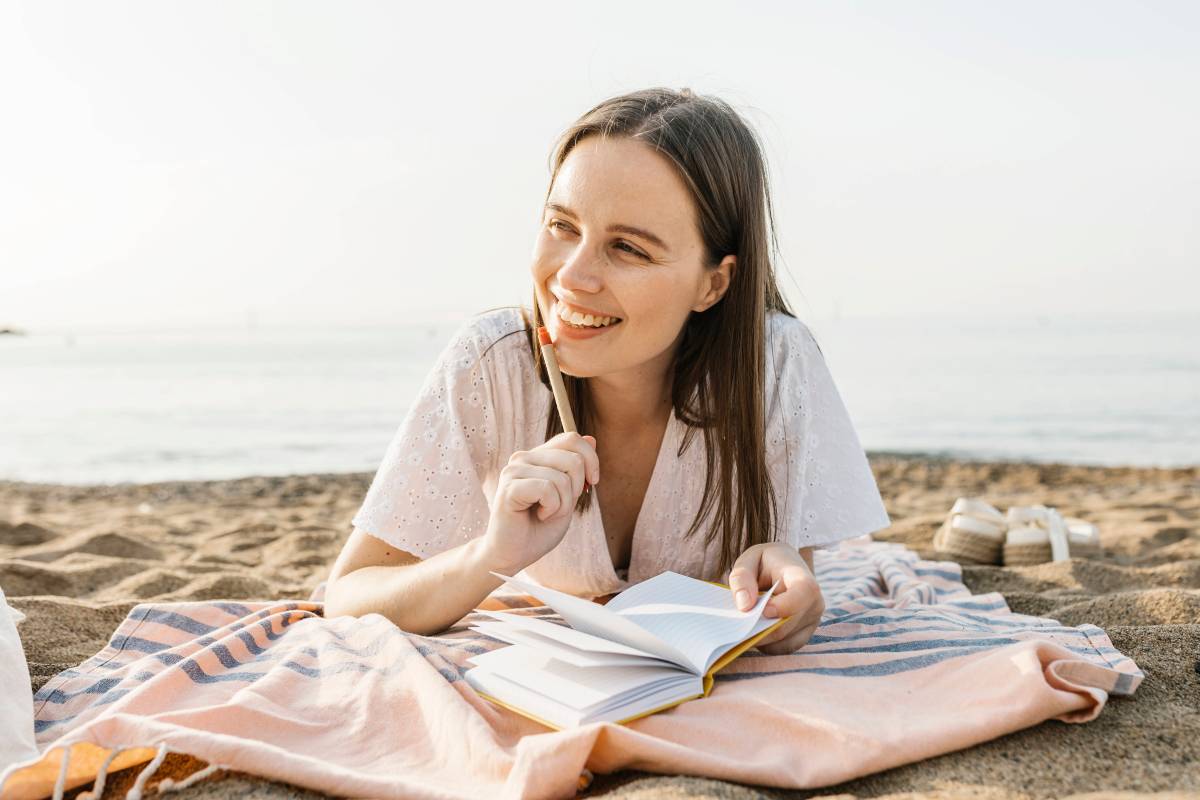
(139, 785)
(169, 785)
(61, 783)
(101, 777)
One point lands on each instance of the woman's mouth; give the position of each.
(576, 324)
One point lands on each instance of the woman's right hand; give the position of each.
(535, 498)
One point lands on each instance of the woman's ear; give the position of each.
(716, 283)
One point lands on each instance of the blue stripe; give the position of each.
(179, 622)
(945, 574)
(58, 697)
(236, 609)
(224, 656)
(893, 667)
(818, 638)
(303, 670)
(250, 644)
(938, 612)
(919, 644)
(198, 675)
(142, 645)
(974, 606)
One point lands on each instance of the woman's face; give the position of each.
(619, 239)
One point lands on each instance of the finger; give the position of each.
(593, 460)
(529, 492)
(782, 632)
(743, 579)
(568, 462)
(800, 595)
(790, 643)
(555, 480)
(585, 446)
(564, 487)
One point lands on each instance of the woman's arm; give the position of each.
(534, 500)
(420, 596)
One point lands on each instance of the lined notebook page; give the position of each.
(698, 618)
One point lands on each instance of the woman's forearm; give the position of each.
(426, 597)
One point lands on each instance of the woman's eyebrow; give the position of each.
(642, 232)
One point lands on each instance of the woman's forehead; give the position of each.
(622, 182)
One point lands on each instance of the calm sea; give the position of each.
(149, 406)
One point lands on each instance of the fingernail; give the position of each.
(769, 611)
(743, 599)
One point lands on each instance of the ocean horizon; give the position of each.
(98, 407)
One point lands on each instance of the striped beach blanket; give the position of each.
(907, 664)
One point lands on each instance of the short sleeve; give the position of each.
(428, 494)
(824, 487)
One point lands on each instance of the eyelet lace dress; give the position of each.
(438, 477)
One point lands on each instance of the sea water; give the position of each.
(102, 407)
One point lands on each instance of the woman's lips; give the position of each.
(568, 331)
(561, 328)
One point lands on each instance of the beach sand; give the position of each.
(76, 559)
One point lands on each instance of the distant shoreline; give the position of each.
(879, 460)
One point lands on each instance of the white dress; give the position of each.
(439, 474)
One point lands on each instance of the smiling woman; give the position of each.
(704, 401)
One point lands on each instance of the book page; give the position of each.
(697, 617)
(512, 634)
(598, 620)
(567, 636)
(578, 688)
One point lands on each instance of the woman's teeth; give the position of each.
(584, 320)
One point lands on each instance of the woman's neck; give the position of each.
(627, 401)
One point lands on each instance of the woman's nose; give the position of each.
(582, 270)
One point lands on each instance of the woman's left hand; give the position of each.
(798, 596)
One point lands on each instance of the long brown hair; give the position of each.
(718, 375)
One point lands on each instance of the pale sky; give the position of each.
(168, 163)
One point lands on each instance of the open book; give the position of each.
(653, 646)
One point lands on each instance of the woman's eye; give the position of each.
(631, 250)
(556, 224)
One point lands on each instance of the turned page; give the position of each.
(696, 617)
(597, 620)
(672, 616)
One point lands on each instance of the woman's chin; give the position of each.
(574, 372)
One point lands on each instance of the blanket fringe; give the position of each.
(139, 786)
(171, 785)
(97, 790)
(61, 783)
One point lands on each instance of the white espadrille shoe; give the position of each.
(1083, 538)
(1036, 534)
(973, 533)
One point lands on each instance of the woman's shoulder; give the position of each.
(501, 332)
(492, 340)
(788, 337)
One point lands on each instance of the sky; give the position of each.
(169, 164)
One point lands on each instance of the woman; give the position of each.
(704, 403)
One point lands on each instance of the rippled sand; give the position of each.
(76, 559)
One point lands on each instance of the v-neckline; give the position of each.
(601, 537)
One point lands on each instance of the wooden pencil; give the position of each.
(556, 385)
(556, 381)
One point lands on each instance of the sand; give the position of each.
(76, 559)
